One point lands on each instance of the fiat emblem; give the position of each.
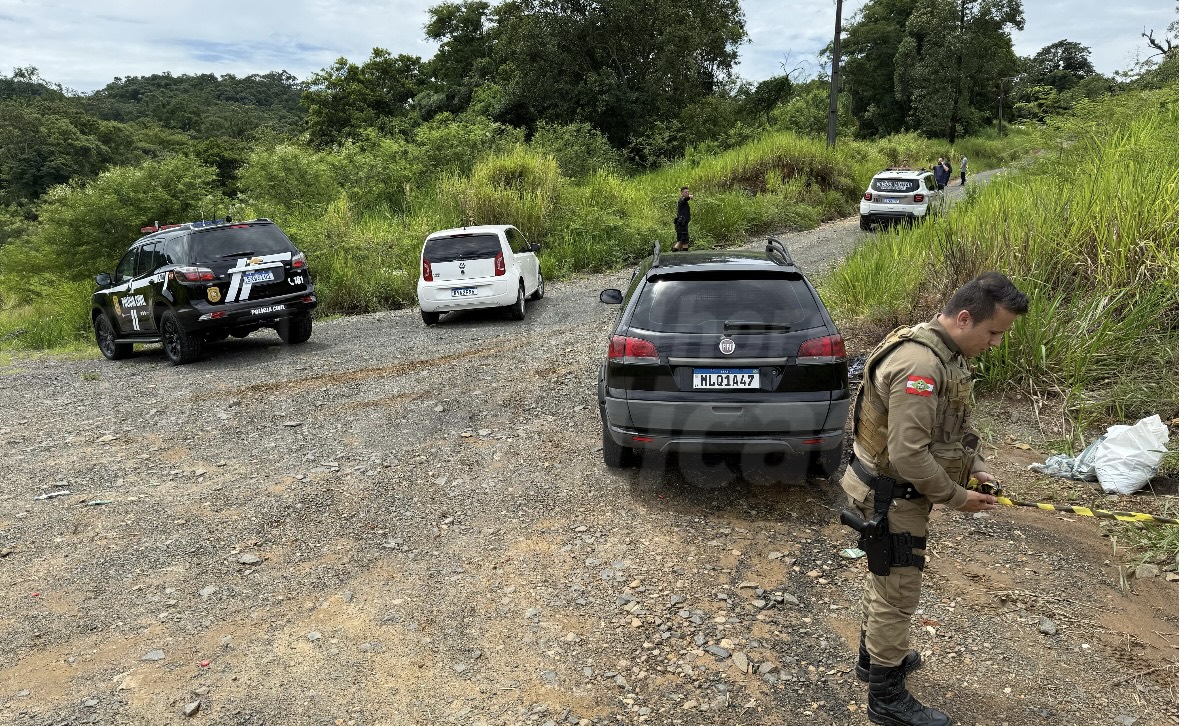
(727, 346)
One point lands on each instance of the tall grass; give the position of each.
(1089, 231)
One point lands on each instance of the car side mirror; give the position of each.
(534, 247)
(103, 279)
(611, 297)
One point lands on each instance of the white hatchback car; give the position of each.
(899, 195)
(489, 266)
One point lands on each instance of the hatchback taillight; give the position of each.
(299, 261)
(829, 346)
(193, 274)
(624, 349)
(918, 197)
(867, 196)
(500, 267)
(427, 271)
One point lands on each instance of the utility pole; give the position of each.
(833, 103)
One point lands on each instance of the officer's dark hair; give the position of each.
(980, 296)
(683, 189)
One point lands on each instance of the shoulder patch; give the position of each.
(919, 386)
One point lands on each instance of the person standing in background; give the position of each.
(683, 215)
(940, 174)
(962, 169)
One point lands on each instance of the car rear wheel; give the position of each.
(179, 345)
(539, 293)
(104, 335)
(825, 463)
(615, 455)
(865, 223)
(295, 329)
(430, 318)
(516, 312)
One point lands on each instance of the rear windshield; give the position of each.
(899, 186)
(704, 303)
(237, 241)
(467, 247)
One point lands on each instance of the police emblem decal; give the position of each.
(727, 346)
(214, 294)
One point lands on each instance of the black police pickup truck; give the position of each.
(185, 285)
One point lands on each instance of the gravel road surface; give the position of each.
(395, 524)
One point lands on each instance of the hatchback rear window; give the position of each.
(898, 186)
(704, 303)
(237, 241)
(467, 247)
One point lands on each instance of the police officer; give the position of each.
(912, 441)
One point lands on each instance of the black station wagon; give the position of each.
(723, 352)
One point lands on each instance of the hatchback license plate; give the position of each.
(462, 291)
(253, 278)
(891, 200)
(725, 378)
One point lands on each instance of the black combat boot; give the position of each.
(891, 704)
(911, 662)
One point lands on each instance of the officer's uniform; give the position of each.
(910, 424)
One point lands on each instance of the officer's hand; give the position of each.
(977, 502)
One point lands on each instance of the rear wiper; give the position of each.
(243, 253)
(737, 325)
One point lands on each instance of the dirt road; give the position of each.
(400, 525)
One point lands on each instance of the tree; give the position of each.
(464, 60)
(767, 95)
(345, 99)
(1060, 65)
(620, 65)
(870, 45)
(951, 62)
(1167, 47)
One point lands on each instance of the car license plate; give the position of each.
(462, 291)
(253, 278)
(724, 378)
(891, 200)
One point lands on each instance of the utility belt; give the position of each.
(884, 549)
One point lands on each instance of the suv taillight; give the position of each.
(918, 197)
(867, 196)
(829, 346)
(624, 349)
(427, 271)
(299, 261)
(193, 274)
(500, 267)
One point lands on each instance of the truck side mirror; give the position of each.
(103, 279)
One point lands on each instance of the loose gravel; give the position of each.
(394, 524)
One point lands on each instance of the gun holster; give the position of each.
(875, 540)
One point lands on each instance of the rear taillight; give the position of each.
(867, 196)
(918, 197)
(299, 261)
(193, 274)
(427, 271)
(500, 267)
(829, 346)
(624, 349)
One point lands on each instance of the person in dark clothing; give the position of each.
(941, 173)
(683, 215)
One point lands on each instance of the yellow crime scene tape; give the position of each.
(996, 489)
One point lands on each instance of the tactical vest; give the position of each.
(953, 406)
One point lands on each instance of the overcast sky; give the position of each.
(84, 44)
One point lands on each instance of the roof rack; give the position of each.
(655, 255)
(777, 252)
(199, 224)
(903, 168)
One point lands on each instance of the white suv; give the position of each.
(489, 266)
(899, 194)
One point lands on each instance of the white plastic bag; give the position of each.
(1129, 455)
